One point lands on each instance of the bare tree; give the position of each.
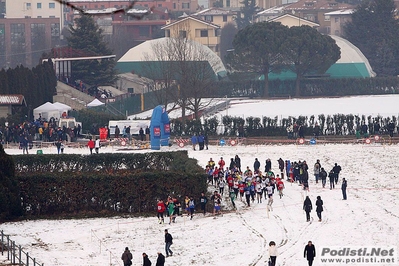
(187, 70)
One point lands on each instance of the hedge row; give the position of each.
(104, 184)
(109, 163)
(93, 194)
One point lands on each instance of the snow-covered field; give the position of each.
(370, 216)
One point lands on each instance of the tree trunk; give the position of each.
(297, 86)
(266, 80)
(183, 116)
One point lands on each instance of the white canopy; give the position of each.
(46, 111)
(95, 103)
(62, 107)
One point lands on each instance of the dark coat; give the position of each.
(168, 238)
(127, 257)
(319, 205)
(344, 185)
(307, 205)
(310, 252)
(237, 161)
(256, 165)
(146, 261)
(160, 260)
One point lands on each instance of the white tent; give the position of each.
(95, 103)
(46, 110)
(62, 107)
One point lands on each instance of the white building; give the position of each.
(35, 9)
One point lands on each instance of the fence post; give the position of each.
(20, 255)
(8, 250)
(13, 252)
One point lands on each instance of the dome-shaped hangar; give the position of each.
(150, 55)
(352, 64)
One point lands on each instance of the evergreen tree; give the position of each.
(306, 51)
(86, 38)
(10, 203)
(246, 14)
(374, 30)
(257, 48)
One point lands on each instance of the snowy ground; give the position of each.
(369, 217)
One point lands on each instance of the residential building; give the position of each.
(291, 20)
(216, 16)
(193, 28)
(270, 13)
(23, 41)
(34, 9)
(314, 10)
(338, 19)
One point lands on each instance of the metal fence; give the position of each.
(15, 254)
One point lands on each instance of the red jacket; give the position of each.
(230, 181)
(161, 207)
(280, 185)
(91, 144)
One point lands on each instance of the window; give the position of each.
(209, 18)
(309, 4)
(227, 3)
(39, 5)
(217, 32)
(27, 16)
(326, 18)
(167, 33)
(51, 5)
(185, 5)
(39, 16)
(102, 6)
(183, 34)
(224, 18)
(336, 20)
(159, 5)
(174, 5)
(204, 33)
(28, 6)
(51, 16)
(95, 6)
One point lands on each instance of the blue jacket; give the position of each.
(194, 139)
(200, 138)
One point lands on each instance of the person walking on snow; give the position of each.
(146, 260)
(309, 253)
(307, 207)
(273, 253)
(319, 207)
(343, 188)
(127, 257)
(168, 243)
(316, 170)
(331, 176)
(323, 177)
(160, 260)
(336, 169)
